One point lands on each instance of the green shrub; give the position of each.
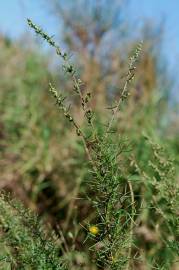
(25, 243)
(118, 206)
(131, 219)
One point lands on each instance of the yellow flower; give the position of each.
(94, 230)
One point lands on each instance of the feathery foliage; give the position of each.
(131, 186)
(114, 199)
(25, 242)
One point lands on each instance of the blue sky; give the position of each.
(13, 14)
(158, 10)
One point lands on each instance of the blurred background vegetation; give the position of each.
(42, 162)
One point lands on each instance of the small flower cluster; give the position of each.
(107, 175)
(69, 69)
